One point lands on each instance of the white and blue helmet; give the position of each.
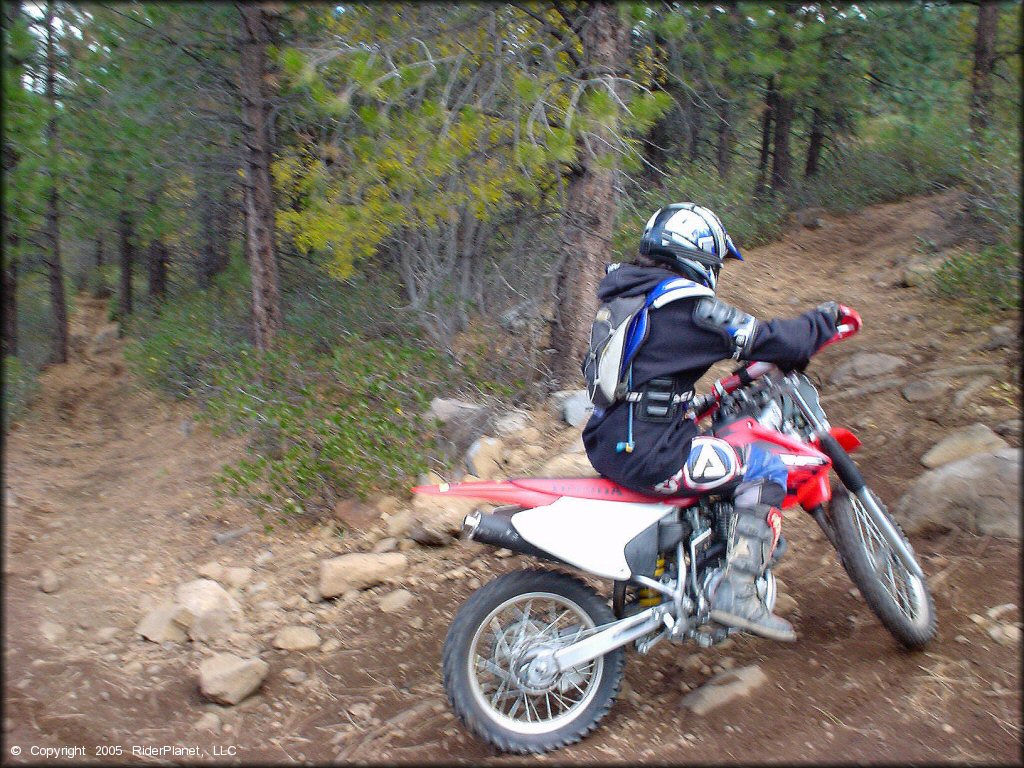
(690, 239)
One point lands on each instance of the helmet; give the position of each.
(690, 239)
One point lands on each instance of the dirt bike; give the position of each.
(534, 659)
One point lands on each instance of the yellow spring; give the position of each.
(648, 596)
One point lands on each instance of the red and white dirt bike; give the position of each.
(534, 659)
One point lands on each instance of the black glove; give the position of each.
(830, 309)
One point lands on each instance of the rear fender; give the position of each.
(497, 491)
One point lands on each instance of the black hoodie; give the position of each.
(678, 347)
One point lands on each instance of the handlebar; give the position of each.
(704, 405)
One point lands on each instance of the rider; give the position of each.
(685, 337)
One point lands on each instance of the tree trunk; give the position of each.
(259, 200)
(723, 147)
(10, 300)
(782, 160)
(984, 64)
(213, 248)
(157, 262)
(816, 142)
(590, 207)
(54, 265)
(766, 139)
(125, 231)
(696, 124)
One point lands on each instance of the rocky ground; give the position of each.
(142, 614)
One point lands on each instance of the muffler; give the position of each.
(498, 531)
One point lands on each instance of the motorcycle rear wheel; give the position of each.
(899, 599)
(487, 662)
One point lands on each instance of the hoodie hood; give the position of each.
(631, 280)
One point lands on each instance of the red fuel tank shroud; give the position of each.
(533, 492)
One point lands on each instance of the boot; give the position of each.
(735, 601)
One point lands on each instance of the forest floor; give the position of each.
(111, 488)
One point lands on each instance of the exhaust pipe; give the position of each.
(498, 531)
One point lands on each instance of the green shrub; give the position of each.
(988, 279)
(20, 385)
(326, 426)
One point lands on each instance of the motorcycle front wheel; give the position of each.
(497, 669)
(899, 599)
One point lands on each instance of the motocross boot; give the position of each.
(736, 602)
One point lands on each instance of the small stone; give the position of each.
(785, 604)
(948, 728)
(396, 601)
(211, 570)
(227, 679)
(1009, 428)
(331, 645)
(208, 722)
(724, 688)
(312, 595)
(504, 553)
(237, 577)
(296, 638)
(406, 544)
(962, 640)
(705, 669)
(207, 611)
(49, 582)
(389, 544)
(358, 571)
(294, 676)
(416, 622)
(924, 389)
(52, 631)
(107, 634)
(228, 536)
(263, 558)
(132, 668)
(998, 610)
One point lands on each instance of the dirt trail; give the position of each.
(111, 488)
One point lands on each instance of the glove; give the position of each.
(831, 309)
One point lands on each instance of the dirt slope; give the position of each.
(111, 488)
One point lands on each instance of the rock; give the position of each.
(228, 536)
(237, 577)
(296, 638)
(510, 423)
(354, 515)
(440, 514)
(427, 537)
(358, 571)
(486, 458)
(393, 602)
(52, 631)
(519, 318)
(723, 688)
(968, 441)
(576, 408)
(784, 604)
(1000, 336)
(979, 494)
(208, 722)
(263, 558)
(1009, 428)
(331, 645)
(961, 398)
(132, 668)
(227, 678)
(49, 582)
(294, 676)
(159, 626)
(810, 217)
(399, 523)
(461, 422)
(924, 389)
(106, 635)
(207, 611)
(998, 610)
(406, 544)
(568, 465)
(865, 365)
(416, 622)
(211, 570)
(389, 544)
